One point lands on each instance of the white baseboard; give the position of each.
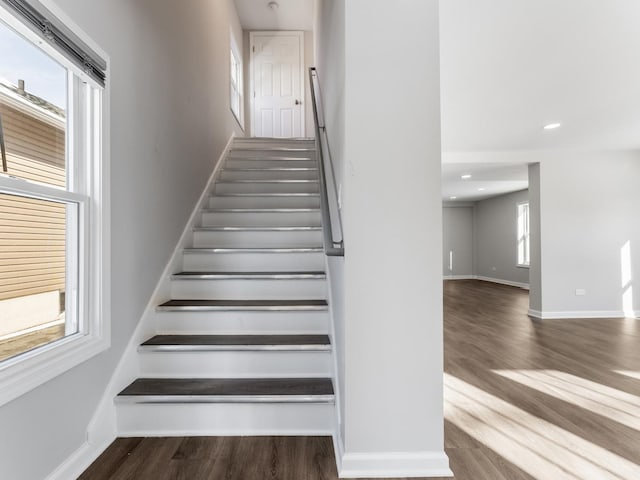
(78, 462)
(395, 464)
(543, 315)
(524, 286)
(535, 313)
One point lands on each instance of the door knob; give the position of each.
(298, 102)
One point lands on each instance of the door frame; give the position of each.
(303, 81)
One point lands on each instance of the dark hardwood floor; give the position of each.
(524, 399)
(212, 458)
(551, 399)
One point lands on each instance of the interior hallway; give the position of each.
(523, 400)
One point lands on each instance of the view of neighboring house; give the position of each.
(32, 231)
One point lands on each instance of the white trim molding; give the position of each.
(578, 315)
(459, 277)
(395, 464)
(524, 286)
(503, 282)
(78, 462)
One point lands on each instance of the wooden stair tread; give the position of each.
(225, 340)
(249, 275)
(229, 387)
(245, 303)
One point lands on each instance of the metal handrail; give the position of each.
(332, 248)
(3, 151)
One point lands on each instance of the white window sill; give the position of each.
(32, 369)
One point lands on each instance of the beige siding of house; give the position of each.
(32, 232)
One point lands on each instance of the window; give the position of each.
(523, 235)
(236, 83)
(52, 202)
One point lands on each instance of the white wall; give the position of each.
(329, 44)
(495, 238)
(457, 240)
(589, 207)
(170, 121)
(392, 219)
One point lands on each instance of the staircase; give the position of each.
(242, 346)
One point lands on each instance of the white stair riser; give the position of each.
(252, 262)
(267, 163)
(225, 419)
(252, 154)
(311, 187)
(242, 323)
(272, 143)
(273, 146)
(265, 202)
(304, 289)
(261, 219)
(235, 364)
(223, 239)
(269, 175)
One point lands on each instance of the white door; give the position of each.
(278, 86)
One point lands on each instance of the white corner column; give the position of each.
(393, 422)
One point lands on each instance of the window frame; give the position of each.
(523, 235)
(87, 140)
(237, 85)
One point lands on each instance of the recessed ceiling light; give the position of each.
(452, 198)
(552, 126)
(481, 189)
(466, 176)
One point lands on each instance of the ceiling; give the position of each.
(290, 14)
(493, 178)
(509, 68)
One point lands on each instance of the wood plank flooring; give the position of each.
(528, 399)
(213, 458)
(524, 399)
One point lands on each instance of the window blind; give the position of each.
(60, 37)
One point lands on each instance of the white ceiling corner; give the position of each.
(508, 68)
(290, 14)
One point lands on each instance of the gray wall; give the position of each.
(482, 237)
(346, 33)
(495, 234)
(396, 339)
(589, 212)
(457, 237)
(583, 215)
(535, 278)
(170, 120)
